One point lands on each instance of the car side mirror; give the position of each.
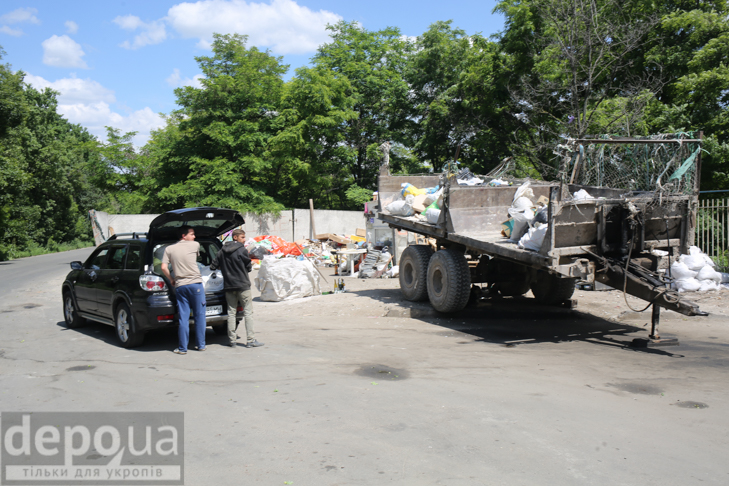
(77, 266)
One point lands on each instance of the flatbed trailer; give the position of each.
(608, 239)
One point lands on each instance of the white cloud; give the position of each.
(20, 15)
(176, 80)
(87, 103)
(283, 25)
(62, 51)
(71, 26)
(151, 32)
(14, 32)
(74, 90)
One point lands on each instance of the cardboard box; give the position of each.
(336, 238)
(361, 232)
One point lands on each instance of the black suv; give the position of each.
(121, 283)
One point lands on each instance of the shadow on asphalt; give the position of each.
(154, 341)
(519, 321)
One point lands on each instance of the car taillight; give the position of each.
(165, 318)
(152, 283)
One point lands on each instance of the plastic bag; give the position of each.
(522, 220)
(533, 239)
(430, 198)
(524, 191)
(707, 285)
(409, 189)
(286, 279)
(401, 207)
(680, 271)
(432, 215)
(541, 215)
(708, 273)
(582, 195)
(212, 279)
(498, 182)
(688, 285)
(522, 203)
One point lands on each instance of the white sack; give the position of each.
(688, 285)
(680, 271)
(393, 272)
(582, 195)
(432, 215)
(524, 191)
(287, 279)
(522, 221)
(708, 273)
(212, 280)
(696, 252)
(534, 238)
(522, 203)
(707, 285)
(431, 198)
(659, 253)
(401, 207)
(473, 181)
(693, 262)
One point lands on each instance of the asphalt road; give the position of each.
(363, 388)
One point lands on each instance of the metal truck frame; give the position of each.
(608, 239)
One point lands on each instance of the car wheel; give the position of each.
(70, 313)
(126, 331)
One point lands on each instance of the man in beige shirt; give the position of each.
(182, 256)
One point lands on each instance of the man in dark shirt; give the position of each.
(235, 263)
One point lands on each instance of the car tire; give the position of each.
(125, 327)
(70, 312)
(414, 272)
(550, 289)
(449, 281)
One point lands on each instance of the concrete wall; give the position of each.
(290, 225)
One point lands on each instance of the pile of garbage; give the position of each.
(466, 178)
(423, 204)
(696, 272)
(528, 222)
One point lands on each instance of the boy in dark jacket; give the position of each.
(235, 263)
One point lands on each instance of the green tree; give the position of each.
(374, 63)
(219, 153)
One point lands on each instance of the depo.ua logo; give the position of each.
(92, 448)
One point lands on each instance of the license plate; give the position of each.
(213, 310)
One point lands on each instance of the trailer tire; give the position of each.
(550, 289)
(514, 288)
(414, 272)
(449, 281)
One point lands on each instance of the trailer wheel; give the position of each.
(549, 289)
(449, 281)
(414, 272)
(514, 288)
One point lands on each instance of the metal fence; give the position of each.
(712, 231)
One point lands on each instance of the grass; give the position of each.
(52, 247)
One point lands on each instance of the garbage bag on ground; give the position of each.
(393, 272)
(688, 285)
(680, 271)
(277, 245)
(533, 239)
(708, 273)
(696, 259)
(401, 207)
(258, 252)
(286, 279)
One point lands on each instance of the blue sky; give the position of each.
(117, 62)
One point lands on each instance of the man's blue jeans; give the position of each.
(191, 297)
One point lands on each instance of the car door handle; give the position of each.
(114, 279)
